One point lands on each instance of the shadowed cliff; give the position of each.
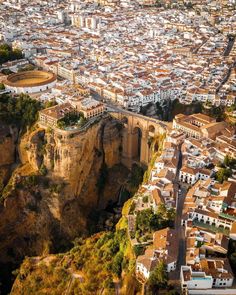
(55, 185)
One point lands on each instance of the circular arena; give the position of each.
(30, 81)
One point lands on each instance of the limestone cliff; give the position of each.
(8, 138)
(50, 194)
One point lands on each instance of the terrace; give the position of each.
(211, 227)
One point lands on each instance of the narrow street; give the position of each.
(181, 194)
(229, 46)
(180, 229)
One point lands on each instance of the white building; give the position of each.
(192, 175)
(207, 274)
(211, 218)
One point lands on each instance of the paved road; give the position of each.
(175, 275)
(179, 228)
(229, 46)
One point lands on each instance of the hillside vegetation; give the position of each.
(19, 110)
(93, 266)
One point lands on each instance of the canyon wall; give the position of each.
(55, 187)
(8, 138)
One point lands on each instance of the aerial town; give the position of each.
(87, 61)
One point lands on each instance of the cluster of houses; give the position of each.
(208, 218)
(207, 143)
(133, 58)
(164, 249)
(161, 188)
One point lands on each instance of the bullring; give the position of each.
(30, 81)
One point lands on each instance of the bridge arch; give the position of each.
(136, 143)
(137, 134)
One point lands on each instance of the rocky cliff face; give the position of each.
(77, 159)
(49, 196)
(8, 138)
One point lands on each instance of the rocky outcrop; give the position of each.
(89, 264)
(34, 147)
(8, 138)
(58, 180)
(76, 159)
(49, 196)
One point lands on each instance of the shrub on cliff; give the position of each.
(136, 176)
(117, 263)
(43, 170)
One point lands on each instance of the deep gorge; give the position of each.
(51, 184)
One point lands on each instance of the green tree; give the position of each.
(4, 56)
(29, 67)
(138, 250)
(217, 112)
(61, 124)
(19, 110)
(171, 214)
(43, 170)
(50, 103)
(5, 46)
(143, 220)
(227, 161)
(7, 53)
(147, 221)
(231, 108)
(223, 174)
(158, 277)
(117, 263)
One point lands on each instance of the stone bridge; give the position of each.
(137, 133)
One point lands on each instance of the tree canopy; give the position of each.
(158, 277)
(19, 110)
(223, 174)
(226, 169)
(7, 53)
(147, 221)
